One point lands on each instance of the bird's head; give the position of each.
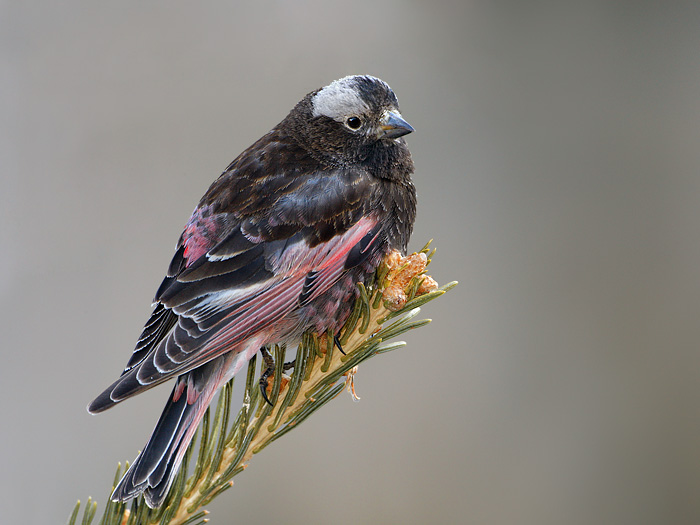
(350, 120)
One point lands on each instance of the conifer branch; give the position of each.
(386, 308)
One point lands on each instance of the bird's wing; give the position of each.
(254, 249)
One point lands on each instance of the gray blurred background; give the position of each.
(557, 161)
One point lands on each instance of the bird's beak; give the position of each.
(393, 126)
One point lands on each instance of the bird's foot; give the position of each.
(270, 370)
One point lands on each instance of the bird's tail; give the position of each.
(154, 470)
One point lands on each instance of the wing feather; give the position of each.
(256, 248)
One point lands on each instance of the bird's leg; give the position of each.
(269, 370)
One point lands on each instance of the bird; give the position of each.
(275, 248)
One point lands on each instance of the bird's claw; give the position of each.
(269, 370)
(336, 340)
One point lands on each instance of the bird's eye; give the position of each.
(353, 123)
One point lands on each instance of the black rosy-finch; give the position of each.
(274, 248)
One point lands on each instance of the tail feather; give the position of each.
(162, 441)
(154, 470)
